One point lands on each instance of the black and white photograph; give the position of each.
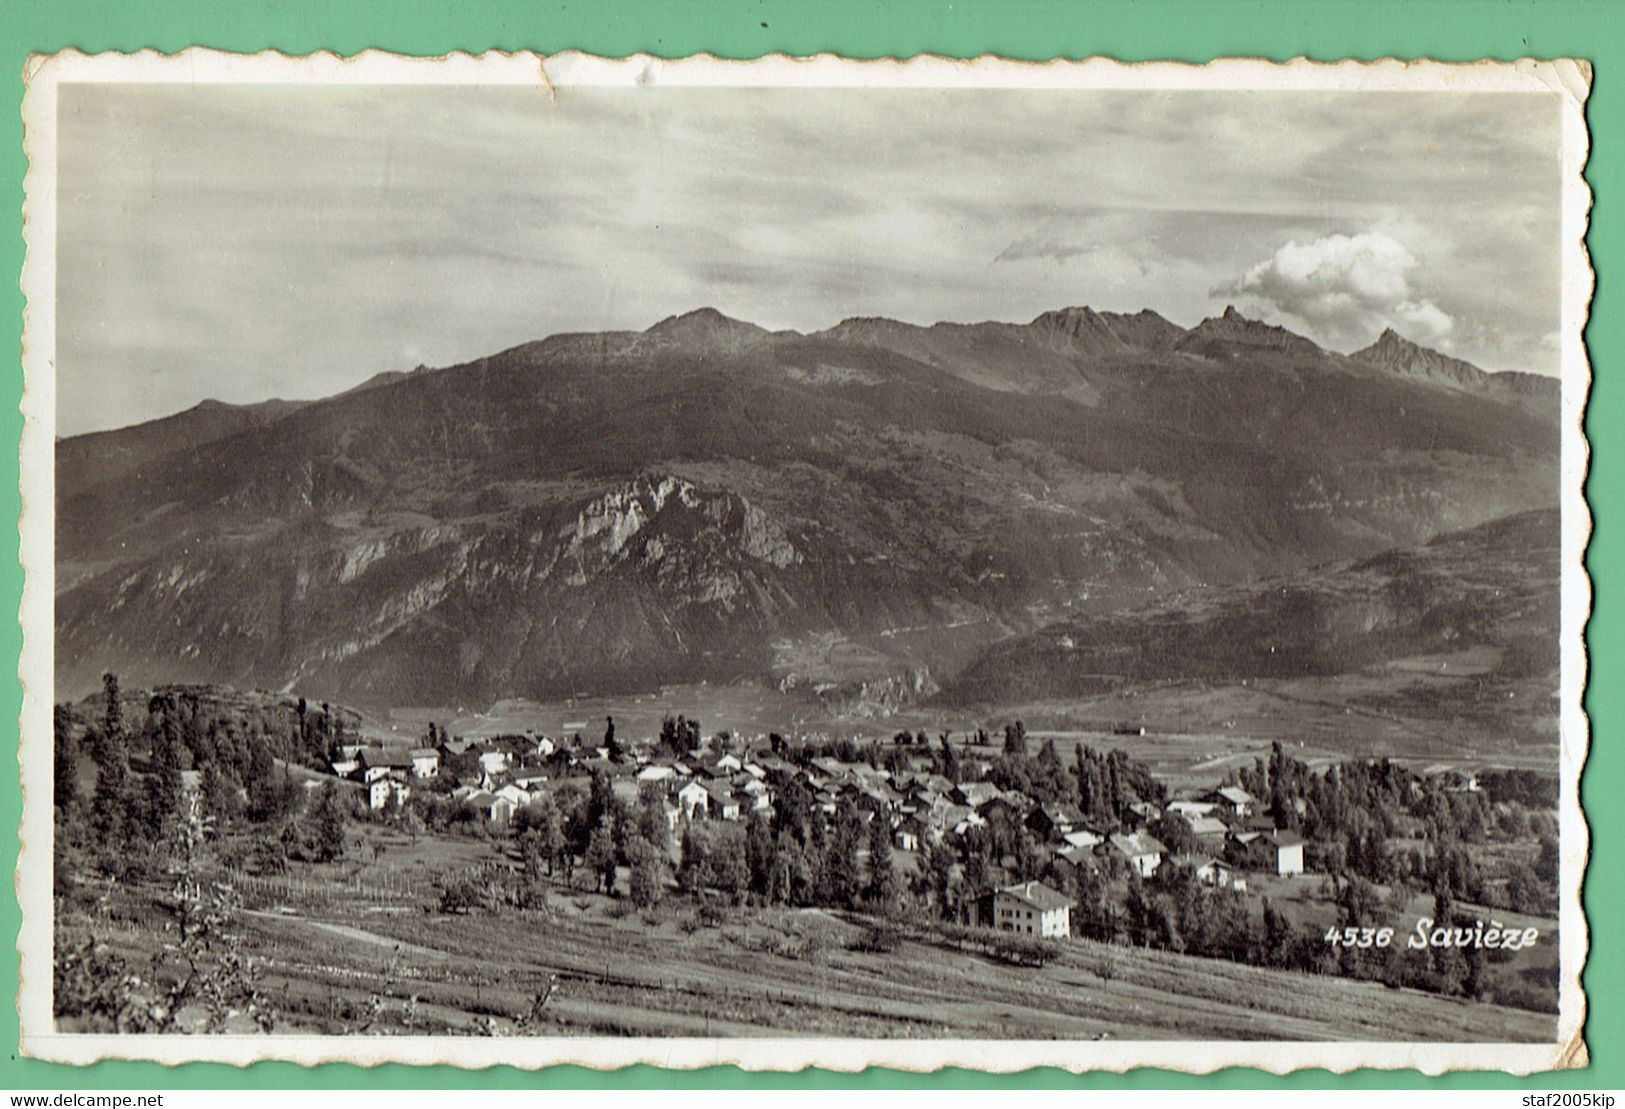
(804, 562)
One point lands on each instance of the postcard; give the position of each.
(804, 562)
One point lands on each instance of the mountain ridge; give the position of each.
(621, 509)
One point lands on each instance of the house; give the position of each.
(452, 746)
(909, 834)
(1050, 822)
(425, 762)
(1216, 872)
(1084, 838)
(694, 799)
(1189, 809)
(830, 768)
(381, 790)
(493, 760)
(494, 809)
(376, 762)
(1029, 907)
(1073, 860)
(344, 768)
(515, 795)
(1142, 852)
(1007, 806)
(757, 792)
(724, 805)
(1140, 813)
(1288, 850)
(656, 772)
(1279, 850)
(1235, 799)
(728, 764)
(974, 794)
(1209, 830)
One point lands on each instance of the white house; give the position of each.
(496, 810)
(425, 762)
(1288, 847)
(1140, 851)
(758, 792)
(515, 795)
(694, 798)
(656, 772)
(1032, 908)
(1237, 800)
(725, 805)
(380, 791)
(493, 760)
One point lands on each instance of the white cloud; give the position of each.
(1344, 289)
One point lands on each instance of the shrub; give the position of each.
(881, 938)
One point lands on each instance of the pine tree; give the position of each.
(65, 755)
(330, 825)
(652, 827)
(550, 831)
(882, 887)
(647, 883)
(842, 880)
(113, 710)
(759, 856)
(163, 794)
(691, 869)
(113, 801)
(600, 857)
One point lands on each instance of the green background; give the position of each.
(1192, 30)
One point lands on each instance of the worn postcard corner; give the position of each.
(804, 562)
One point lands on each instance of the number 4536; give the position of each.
(1359, 937)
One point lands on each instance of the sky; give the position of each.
(248, 242)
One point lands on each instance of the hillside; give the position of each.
(1460, 632)
(604, 512)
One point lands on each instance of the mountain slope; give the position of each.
(1395, 354)
(600, 512)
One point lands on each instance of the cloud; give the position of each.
(1344, 289)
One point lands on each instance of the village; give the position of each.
(1221, 835)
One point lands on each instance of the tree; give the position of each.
(330, 822)
(600, 856)
(1524, 894)
(111, 812)
(692, 871)
(65, 755)
(113, 710)
(652, 827)
(882, 888)
(1015, 739)
(841, 879)
(544, 821)
(949, 761)
(759, 852)
(647, 883)
(221, 803)
(164, 783)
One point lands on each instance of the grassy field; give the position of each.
(360, 948)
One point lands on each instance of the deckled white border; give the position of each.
(554, 76)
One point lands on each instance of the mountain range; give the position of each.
(710, 500)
